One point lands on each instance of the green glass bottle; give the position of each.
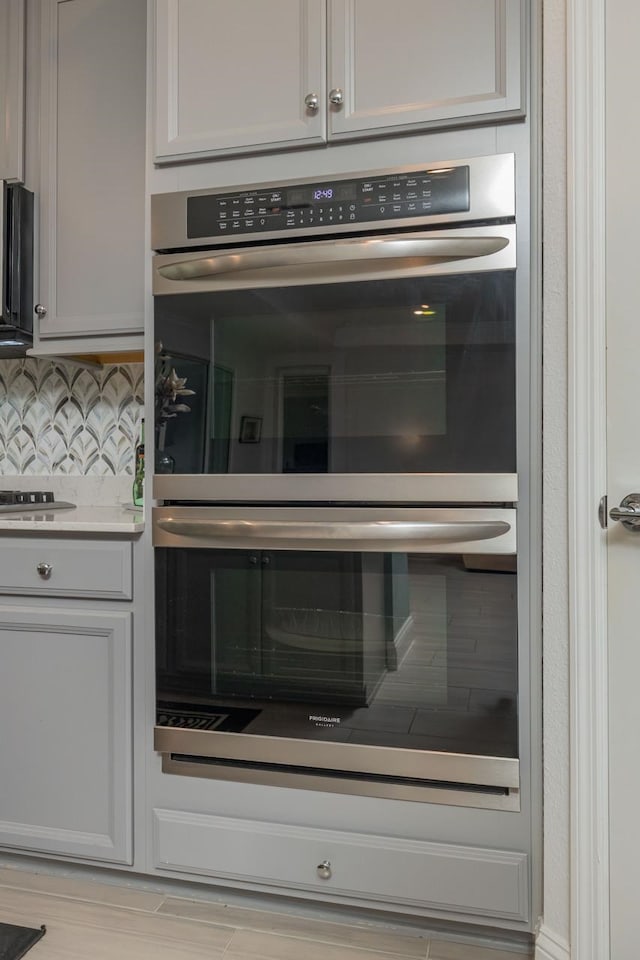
(138, 470)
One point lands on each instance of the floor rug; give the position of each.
(15, 941)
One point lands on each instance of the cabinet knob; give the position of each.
(44, 569)
(40, 310)
(324, 870)
(336, 96)
(311, 101)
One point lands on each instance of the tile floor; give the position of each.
(85, 919)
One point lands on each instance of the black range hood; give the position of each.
(16, 270)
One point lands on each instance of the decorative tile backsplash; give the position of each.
(61, 418)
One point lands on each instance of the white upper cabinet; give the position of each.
(397, 67)
(92, 172)
(254, 75)
(12, 52)
(237, 76)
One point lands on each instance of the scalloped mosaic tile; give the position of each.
(58, 418)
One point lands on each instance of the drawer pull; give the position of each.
(324, 870)
(44, 569)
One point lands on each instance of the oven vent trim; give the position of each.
(387, 788)
(397, 763)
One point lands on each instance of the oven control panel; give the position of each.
(327, 203)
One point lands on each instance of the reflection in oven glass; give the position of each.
(382, 376)
(400, 650)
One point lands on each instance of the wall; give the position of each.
(556, 897)
(63, 418)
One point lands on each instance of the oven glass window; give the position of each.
(383, 376)
(389, 649)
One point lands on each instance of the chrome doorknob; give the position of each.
(311, 101)
(44, 569)
(336, 96)
(40, 310)
(324, 870)
(628, 513)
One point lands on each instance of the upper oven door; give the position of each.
(368, 369)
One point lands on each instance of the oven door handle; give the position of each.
(339, 260)
(340, 535)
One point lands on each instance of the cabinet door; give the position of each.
(92, 243)
(233, 77)
(65, 749)
(12, 90)
(412, 63)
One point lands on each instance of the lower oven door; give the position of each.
(359, 650)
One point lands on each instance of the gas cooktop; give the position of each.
(24, 501)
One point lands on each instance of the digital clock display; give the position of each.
(321, 193)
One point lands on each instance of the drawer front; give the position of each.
(445, 878)
(66, 568)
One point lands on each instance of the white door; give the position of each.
(92, 155)
(70, 792)
(397, 67)
(236, 77)
(12, 38)
(623, 468)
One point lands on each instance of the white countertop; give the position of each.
(81, 519)
(102, 506)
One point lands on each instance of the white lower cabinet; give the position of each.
(83, 569)
(66, 744)
(450, 879)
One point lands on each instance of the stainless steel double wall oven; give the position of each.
(335, 559)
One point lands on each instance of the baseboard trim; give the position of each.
(550, 946)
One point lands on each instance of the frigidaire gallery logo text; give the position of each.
(323, 721)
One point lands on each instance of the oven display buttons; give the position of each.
(327, 204)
